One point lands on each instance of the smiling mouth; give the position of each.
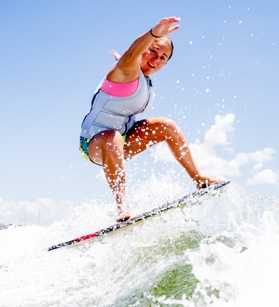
(150, 65)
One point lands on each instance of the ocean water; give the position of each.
(219, 251)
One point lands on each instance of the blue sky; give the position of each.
(221, 87)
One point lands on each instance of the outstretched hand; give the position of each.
(164, 27)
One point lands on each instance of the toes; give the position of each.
(123, 219)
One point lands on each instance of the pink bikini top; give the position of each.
(119, 89)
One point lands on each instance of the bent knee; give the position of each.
(168, 122)
(168, 125)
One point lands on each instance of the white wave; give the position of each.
(235, 256)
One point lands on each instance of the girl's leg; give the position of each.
(148, 132)
(106, 149)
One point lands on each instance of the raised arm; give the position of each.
(128, 67)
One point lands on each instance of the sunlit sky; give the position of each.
(221, 87)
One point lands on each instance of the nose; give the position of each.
(155, 58)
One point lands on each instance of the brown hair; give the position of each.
(172, 48)
(171, 44)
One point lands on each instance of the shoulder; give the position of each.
(120, 73)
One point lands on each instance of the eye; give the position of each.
(163, 59)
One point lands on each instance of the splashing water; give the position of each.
(221, 251)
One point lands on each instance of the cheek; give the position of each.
(146, 54)
(143, 57)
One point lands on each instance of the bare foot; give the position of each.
(123, 214)
(122, 218)
(204, 182)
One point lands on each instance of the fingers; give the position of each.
(171, 19)
(174, 28)
(164, 27)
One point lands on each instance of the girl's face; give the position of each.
(155, 57)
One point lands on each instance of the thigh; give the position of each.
(105, 143)
(146, 133)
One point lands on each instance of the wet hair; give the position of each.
(171, 44)
(172, 48)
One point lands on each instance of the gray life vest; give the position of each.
(116, 113)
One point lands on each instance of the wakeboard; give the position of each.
(177, 203)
